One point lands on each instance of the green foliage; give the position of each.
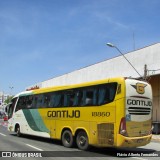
(8, 100)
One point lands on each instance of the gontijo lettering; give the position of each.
(139, 102)
(64, 114)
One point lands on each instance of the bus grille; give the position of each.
(105, 133)
(139, 111)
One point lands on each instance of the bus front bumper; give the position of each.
(130, 142)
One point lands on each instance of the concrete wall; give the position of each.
(155, 82)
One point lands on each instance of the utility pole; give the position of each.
(145, 71)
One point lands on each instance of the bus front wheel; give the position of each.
(18, 131)
(67, 139)
(82, 140)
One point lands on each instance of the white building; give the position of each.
(3, 97)
(118, 66)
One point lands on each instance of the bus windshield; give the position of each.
(11, 108)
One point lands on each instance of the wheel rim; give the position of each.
(18, 131)
(82, 140)
(67, 138)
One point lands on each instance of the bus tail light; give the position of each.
(122, 128)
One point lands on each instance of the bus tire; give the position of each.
(82, 140)
(67, 139)
(18, 132)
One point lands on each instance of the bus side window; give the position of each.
(113, 89)
(69, 98)
(39, 101)
(47, 99)
(52, 100)
(34, 101)
(21, 103)
(29, 102)
(59, 99)
(90, 96)
(106, 93)
(78, 95)
(55, 99)
(103, 95)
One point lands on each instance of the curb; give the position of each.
(157, 139)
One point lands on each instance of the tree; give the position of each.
(8, 100)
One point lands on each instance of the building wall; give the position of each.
(3, 97)
(155, 82)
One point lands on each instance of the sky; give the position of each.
(42, 39)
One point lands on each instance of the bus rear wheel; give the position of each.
(82, 140)
(67, 139)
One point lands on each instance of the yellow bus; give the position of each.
(114, 112)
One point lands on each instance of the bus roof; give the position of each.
(54, 88)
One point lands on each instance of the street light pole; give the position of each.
(11, 90)
(113, 46)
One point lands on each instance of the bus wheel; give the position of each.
(82, 140)
(67, 139)
(18, 131)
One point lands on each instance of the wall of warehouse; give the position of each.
(155, 83)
